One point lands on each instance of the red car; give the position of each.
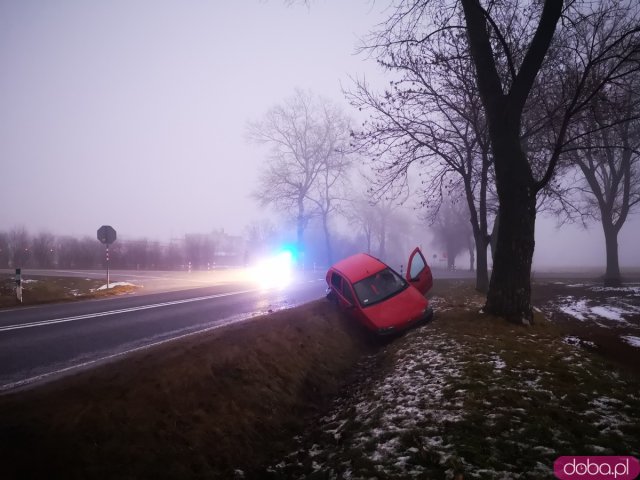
(377, 295)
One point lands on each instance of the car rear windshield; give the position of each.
(380, 286)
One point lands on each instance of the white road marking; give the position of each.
(239, 318)
(37, 378)
(20, 326)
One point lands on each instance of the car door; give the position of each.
(342, 290)
(418, 272)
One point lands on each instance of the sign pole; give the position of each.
(108, 266)
(107, 235)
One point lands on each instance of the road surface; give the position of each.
(41, 343)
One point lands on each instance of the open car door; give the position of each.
(418, 272)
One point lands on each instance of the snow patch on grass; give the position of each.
(625, 290)
(581, 310)
(116, 284)
(610, 313)
(577, 309)
(632, 340)
(578, 342)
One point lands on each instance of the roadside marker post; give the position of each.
(19, 284)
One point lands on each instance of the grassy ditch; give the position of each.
(43, 289)
(191, 409)
(469, 396)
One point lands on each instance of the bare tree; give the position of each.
(451, 230)
(508, 44)
(199, 250)
(362, 212)
(4, 250)
(19, 243)
(329, 191)
(383, 226)
(431, 118)
(609, 159)
(43, 249)
(261, 233)
(304, 134)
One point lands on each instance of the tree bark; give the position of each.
(510, 287)
(482, 275)
(451, 258)
(472, 256)
(509, 293)
(612, 276)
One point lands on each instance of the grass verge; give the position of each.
(191, 409)
(42, 289)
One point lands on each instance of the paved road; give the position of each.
(41, 343)
(157, 281)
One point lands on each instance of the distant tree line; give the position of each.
(376, 230)
(19, 248)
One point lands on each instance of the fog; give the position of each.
(134, 114)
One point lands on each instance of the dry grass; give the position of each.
(474, 396)
(40, 289)
(191, 409)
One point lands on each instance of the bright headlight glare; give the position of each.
(275, 272)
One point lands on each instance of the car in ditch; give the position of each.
(378, 296)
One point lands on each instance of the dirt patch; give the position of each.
(191, 409)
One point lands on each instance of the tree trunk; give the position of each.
(509, 293)
(612, 276)
(327, 239)
(472, 256)
(451, 258)
(383, 240)
(300, 224)
(482, 273)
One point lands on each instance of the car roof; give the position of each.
(359, 266)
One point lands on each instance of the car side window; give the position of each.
(336, 281)
(346, 291)
(417, 265)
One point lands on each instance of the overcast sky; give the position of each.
(133, 113)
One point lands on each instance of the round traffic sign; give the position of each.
(107, 234)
